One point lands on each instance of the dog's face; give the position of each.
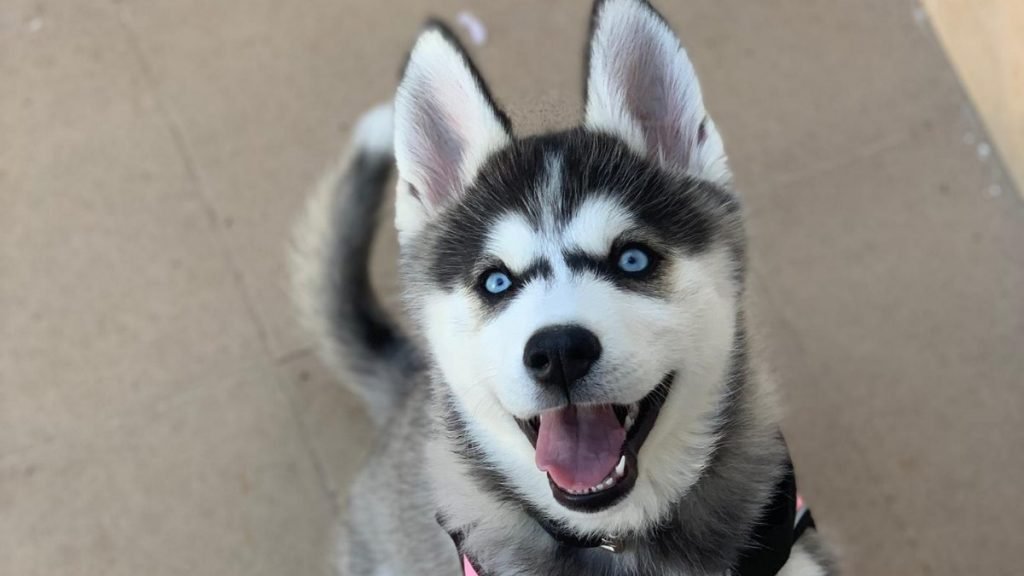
(578, 291)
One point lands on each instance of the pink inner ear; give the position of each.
(448, 124)
(439, 154)
(656, 96)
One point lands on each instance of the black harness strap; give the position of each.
(773, 537)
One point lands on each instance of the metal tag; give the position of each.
(611, 544)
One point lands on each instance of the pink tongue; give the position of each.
(579, 446)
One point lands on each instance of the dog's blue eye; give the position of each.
(497, 282)
(633, 260)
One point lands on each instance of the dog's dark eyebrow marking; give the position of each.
(579, 261)
(656, 285)
(540, 268)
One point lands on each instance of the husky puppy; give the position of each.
(576, 394)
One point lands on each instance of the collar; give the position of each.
(784, 520)
(571, 540)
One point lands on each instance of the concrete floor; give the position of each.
(162, 413)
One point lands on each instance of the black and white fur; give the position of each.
(647, 165)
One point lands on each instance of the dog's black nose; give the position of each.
(561, 355)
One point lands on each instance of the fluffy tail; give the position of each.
(330, 272)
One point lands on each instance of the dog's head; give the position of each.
(578, 291)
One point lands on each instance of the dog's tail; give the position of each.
(330, 272)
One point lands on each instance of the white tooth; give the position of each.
(620, 468)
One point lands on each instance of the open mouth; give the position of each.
(590, 452)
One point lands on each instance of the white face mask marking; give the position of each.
(597, 223)
(514, 242)
(687, 331)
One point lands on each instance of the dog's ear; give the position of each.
(446, 125)
(642, 87)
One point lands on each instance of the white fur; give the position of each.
(444, 129)
(410, 215)
(514, 242)
(551, 189)
(375, 130)
(596, 224)
(801, 563)
(642, 87)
